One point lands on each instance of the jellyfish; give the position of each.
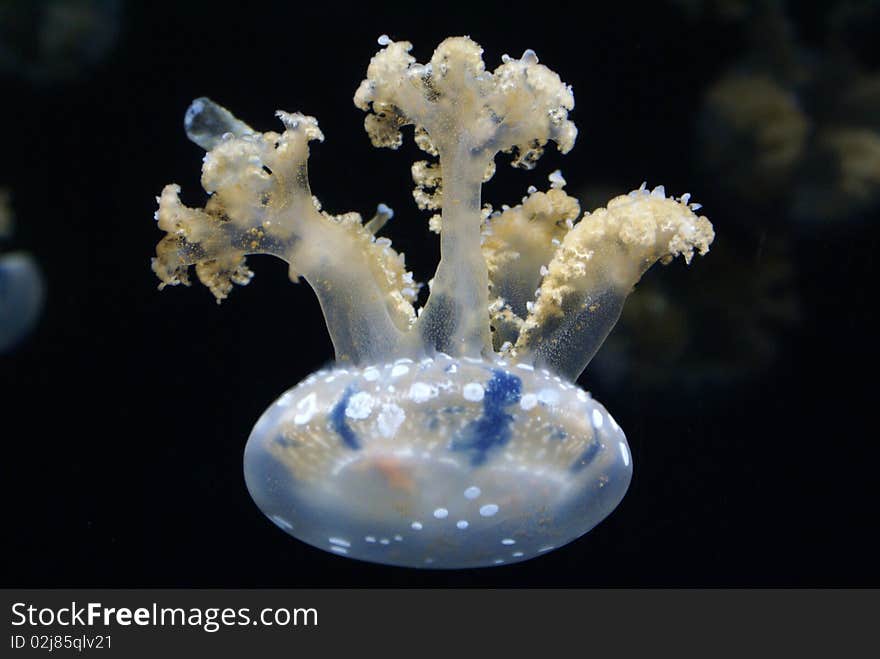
(454, 435)
(21, 287)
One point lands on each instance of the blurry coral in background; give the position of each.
(49, 41)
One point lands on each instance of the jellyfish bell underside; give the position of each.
(440, 463)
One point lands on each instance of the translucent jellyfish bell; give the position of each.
(452, 437)
(441, 462)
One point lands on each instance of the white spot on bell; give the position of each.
(360, 405)
(473, 391)
(306, 409)
(528, 401)
(420, 392)
(389, 419)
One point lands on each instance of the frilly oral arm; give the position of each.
(596, 267)
(518, 243)
(261, 203)
(465, 115)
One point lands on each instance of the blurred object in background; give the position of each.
(794, 130)
(22, 291)
(724, 10)
(5, 214)
(691, 341)
(48, 41)
(754, 136)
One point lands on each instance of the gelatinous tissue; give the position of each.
(451, 435)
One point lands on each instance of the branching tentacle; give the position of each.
(261, 203)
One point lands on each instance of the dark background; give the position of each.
(126, 411)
